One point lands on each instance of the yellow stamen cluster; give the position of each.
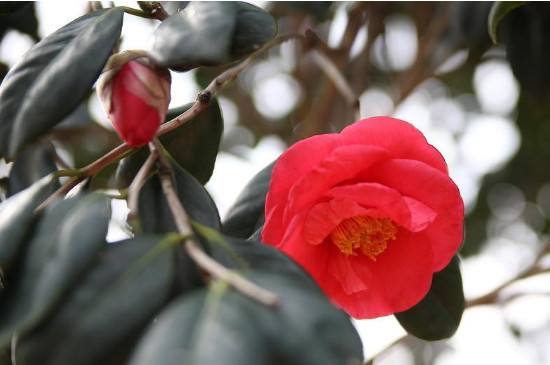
(365, 234)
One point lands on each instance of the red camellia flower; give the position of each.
(135, 93)
(371, 213)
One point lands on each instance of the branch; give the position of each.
(154, 10)
(203, 101)
(137, 184)
(534, 269)
(204, 261)
(333, 73)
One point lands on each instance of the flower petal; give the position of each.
(397, 136)
(397, 280)
(342, 164)
(405, 211)
(434, 189)
(299, 159)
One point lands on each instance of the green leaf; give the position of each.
(54, 76)
(7, 7)
(528, 48)
(499, 10)
(438, 315)
(194, 145)
(30, 166)
(16, 217)
(247, 213)
(155, 215)
(223, 324)
(65, 242)
(210, 34)
(255, 28)
(111, 305)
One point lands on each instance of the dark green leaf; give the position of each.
(255, 28)
(199, 35)
(65, 242)
(247, 213)
(528, 47)
(23, 20)
(7, 7)
(223, 324)
(499, 10)
(16, 216)
(194, 145)
(210, 34)
(154, 213)
(111, 305)
(438, 315)
(30, 166)
(54, 76)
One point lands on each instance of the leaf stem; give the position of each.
(205, 262)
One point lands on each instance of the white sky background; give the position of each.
(473, 143)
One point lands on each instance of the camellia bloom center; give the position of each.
(367, 235)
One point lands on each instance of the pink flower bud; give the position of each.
(135, 94)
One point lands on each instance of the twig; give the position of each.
(532, 270)
(154, 9)
(138, 182)
(204, 261)
(203, 101)
(333, 73)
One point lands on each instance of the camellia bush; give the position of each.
(362, 222)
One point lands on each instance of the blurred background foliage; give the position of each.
(485, 106)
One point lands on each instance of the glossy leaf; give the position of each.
(31, 165)
(223, 324)
(438, 315)
(210, 33)
(194, 145)
(254, 28)
(65, 242)
(247, 213)
(528, 47)
(155, 215)
(16, 217)
(110, 306)
(58, 71)
(7, 7)
(499, 10)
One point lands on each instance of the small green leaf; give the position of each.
(110, 306)
(154, 213)
(54, 76)
(247, 213)
(438, 315)
(16, 216)
(499, 10)
(210, 34)
(30, 166)
(65, 242)
(222, 324)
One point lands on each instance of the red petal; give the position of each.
(325, 216)
(399, 278)
(134, 120)
(397, 136)
(274, 227)
(434, 189)
(300, 159)
(342, 164)
(405, 211)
